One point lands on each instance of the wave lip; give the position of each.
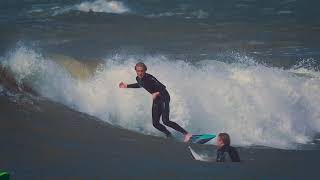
(103, 6)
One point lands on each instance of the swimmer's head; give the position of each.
(223, 139)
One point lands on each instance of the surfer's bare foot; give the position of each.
(187, 137)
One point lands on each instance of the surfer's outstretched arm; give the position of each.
(124, 85)
(134, 85)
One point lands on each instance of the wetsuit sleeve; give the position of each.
(135, 85)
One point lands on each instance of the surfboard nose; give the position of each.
(202, 138)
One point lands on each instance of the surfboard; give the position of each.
(202, 138)
(200, 156)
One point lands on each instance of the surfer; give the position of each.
(226, 152)
(161, 100)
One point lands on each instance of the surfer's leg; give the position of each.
(165, 118)
(156, 113)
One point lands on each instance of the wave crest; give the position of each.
(257, 105)
(103, 6)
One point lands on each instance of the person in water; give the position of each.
(161, 100)
(225, 152)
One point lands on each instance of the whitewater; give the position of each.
(256, 104)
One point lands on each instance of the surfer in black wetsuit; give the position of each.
(161, 100)
(225, 152)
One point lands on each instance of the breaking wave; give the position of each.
(257, 105)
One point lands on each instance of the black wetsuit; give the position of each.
(160, 105)
(227, 153)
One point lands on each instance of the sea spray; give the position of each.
(255, 104)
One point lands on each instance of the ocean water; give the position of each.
(246, 67)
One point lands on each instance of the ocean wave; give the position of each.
(257, 105)
(102, 6)
(118, 7)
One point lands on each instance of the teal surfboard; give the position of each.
(202, 138)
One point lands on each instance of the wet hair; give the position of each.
(225, 138)
(140, 64)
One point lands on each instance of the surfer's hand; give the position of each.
(123, 85)
(154, 95)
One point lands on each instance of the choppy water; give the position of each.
(280, 33)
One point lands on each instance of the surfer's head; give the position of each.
(141, 69)
(223, 139)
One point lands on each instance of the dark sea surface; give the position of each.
(281, 33)
(50, 141)
(246, 67)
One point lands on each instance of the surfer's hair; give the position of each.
(140, 64)
(225, 138)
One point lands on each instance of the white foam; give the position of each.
(103, 6)
(255, 104)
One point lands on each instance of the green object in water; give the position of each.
(4, 175)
